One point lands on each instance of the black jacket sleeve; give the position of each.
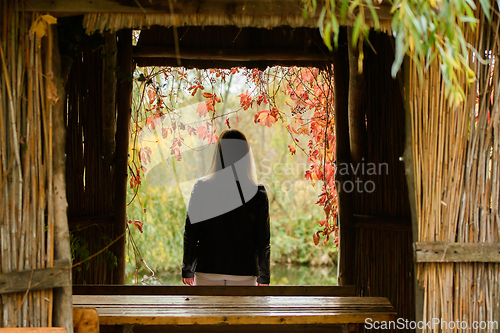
(264, 241)
(191, 238)
(190, 249)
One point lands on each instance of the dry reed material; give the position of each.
(456, 160)
(27, 219)
(116, 21)
(384, 265)
(89, 171)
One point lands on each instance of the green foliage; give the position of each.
(425, 30)
(79, 251)
(163, 212)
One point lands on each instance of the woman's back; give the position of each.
(227, 226)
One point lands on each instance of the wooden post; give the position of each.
(63, 303)
(346, 224)
(124, 104)
(404, 83)
(357, 120)
(109, 98)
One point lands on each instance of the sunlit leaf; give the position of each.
(486, 5)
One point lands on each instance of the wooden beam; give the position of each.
(124, 106)
(457, 252)
(347, 247)
(357, 116)
(38, 279)
(229, 54)
(404, 85)
(109, 98)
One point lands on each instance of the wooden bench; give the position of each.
(85, 320)
(33, 330)
(230, 309)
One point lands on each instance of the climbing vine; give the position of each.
(308, 118)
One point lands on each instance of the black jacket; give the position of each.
(234, 243)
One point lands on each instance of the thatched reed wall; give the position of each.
(456, 160)
(33, 227)
(90, 167)
(384, 265)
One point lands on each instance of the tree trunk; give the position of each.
(63, 303)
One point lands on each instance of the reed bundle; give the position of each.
(383, 252)
(115, 21)
(89, 168)
(456, 152)
(27, 217)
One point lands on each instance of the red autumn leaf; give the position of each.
(207, 95)
(227, 123)
(292, 149)
(291, 128)
(265, 118)
(202, 132)
(316, 237)
(154, 120)
(195, 88)
(151, 95)
(202, 109)
(322, 222)
(268, 121)
(304, 130)
(144, 155)
(164, 132)
(326, 239)
(174, 151)
(135, 180)
(261, 99)
(190, 130)
(212, 138)
(138, 224)
(245, 100)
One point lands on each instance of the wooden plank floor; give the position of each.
(235, 310)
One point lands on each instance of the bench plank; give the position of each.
(235, 310)
(34, 330)
(215, 290)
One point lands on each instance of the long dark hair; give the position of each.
(232, 148)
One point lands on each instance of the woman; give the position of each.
(227, 234)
